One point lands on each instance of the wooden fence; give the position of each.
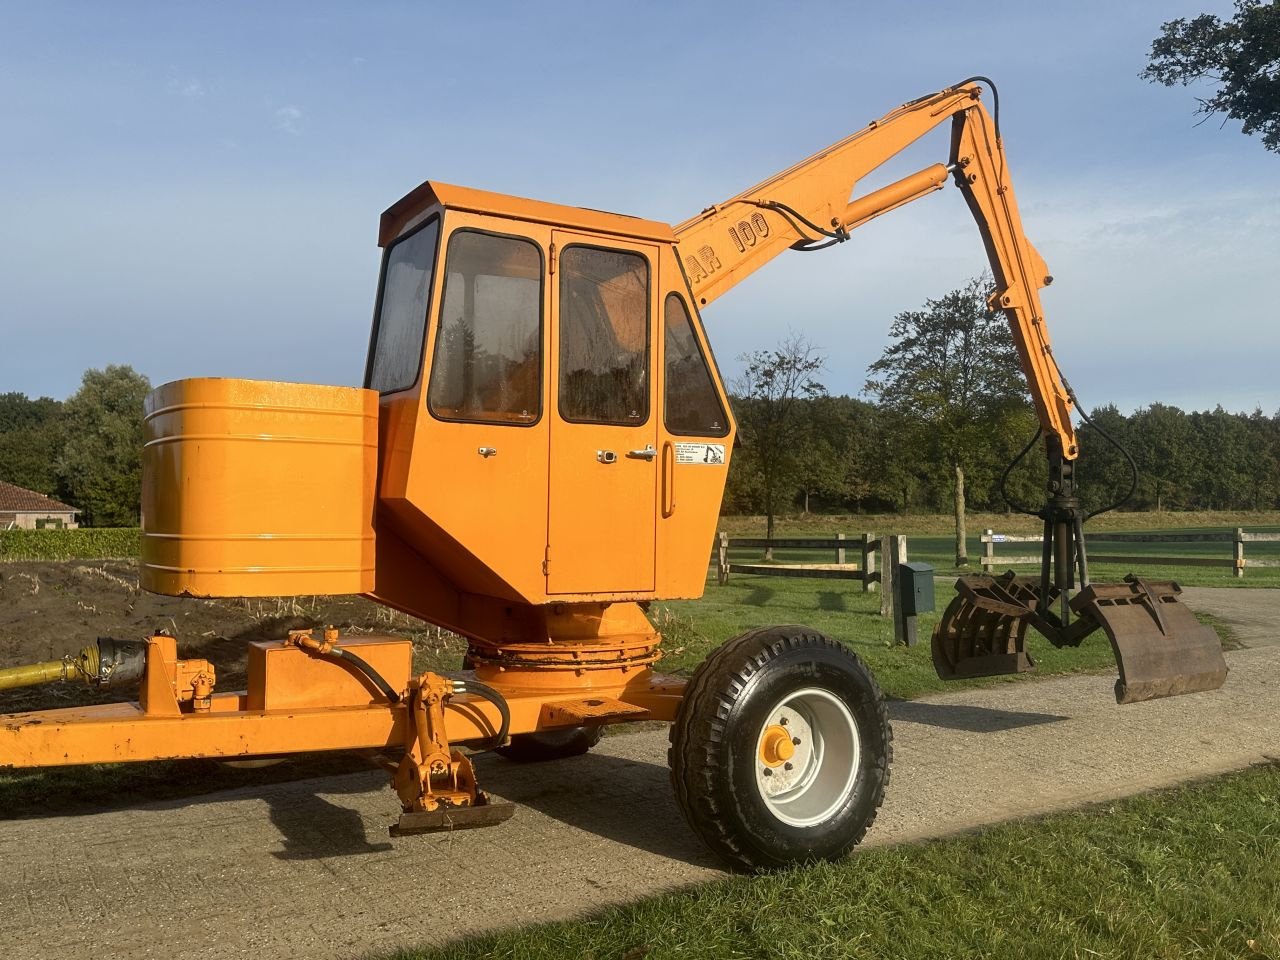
(1236, 561)
(866, 545)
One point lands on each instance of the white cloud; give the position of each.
(289, 119)
(191, 88)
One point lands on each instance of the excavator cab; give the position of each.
(553, 425)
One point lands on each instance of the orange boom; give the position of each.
(538, 376)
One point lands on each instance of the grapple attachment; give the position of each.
(1160, 647)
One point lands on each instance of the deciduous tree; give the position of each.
(952, 373)
(30, 439)
(101, 462)
(1239, 56)
(769, 394)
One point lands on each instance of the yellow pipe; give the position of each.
(84, 665)
(34, 674)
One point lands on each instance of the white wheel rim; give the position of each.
(810, 785)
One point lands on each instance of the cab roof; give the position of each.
(451, 197)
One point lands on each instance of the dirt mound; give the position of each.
(50, 609)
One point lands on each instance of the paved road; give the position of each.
(1253, 614)
(307, 869)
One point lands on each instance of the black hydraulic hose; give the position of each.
(995, 98)
(1004, 477)
(791, 215)
(498, 700)
(1133, 466)
(364, 667)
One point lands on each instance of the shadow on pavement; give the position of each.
(312, 828)
(954, 716)
(100, 788)
(627, 801)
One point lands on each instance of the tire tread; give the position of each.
(723, 675)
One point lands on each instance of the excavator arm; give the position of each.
(811, 205)
(1160, 647)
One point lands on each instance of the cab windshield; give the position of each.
(399, 328)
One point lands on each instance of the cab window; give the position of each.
(604, 336)
(488, 357)
(399, 329)
(691, 406)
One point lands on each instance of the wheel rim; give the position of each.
(806, 757)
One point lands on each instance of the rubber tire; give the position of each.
(723, 709)
(551, 744)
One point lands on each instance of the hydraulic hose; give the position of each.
(498, 700)
(364, 667)
(332, 651)
(1004, 478)
(1133, 467)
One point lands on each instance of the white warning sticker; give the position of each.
(699, 453)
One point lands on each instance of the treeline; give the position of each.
(825, 455)
(854, 456)
(85, 451)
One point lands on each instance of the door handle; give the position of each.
(668, 480)
(648, 453)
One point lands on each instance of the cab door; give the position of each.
(603, 472)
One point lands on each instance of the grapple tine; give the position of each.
(1161, 649)
(983, 629)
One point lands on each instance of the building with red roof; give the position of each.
(28, 510)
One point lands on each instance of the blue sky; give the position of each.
(194, 189)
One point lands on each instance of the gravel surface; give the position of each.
(307, 868)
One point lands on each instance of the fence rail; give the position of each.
(865, 546)
(1237, 538)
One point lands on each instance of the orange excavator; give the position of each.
(539, 450)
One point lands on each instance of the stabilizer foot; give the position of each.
(453, 818)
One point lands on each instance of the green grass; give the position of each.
(1190, 872)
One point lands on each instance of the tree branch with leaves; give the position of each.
(1240, 57)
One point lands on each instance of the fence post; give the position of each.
(839, 548)
(888, 574)
(868, 562)
(1237, 555)
(722, 567)
(988, 550)
(894, 551)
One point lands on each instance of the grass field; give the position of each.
(1189, 872)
